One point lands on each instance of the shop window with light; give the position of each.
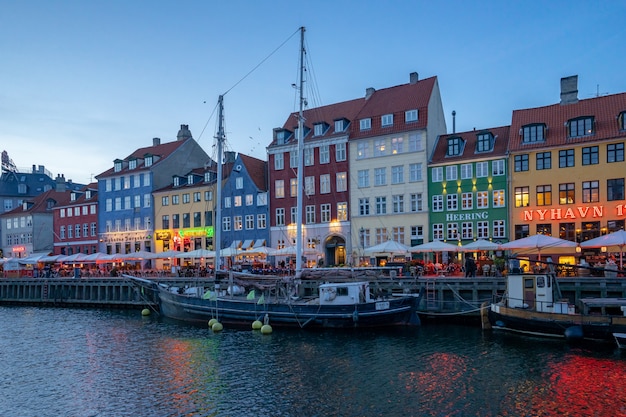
(591, 191)
(522, 196)
(544, 229)
(544, 195)
(567, 193)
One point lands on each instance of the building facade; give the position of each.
(75, 223)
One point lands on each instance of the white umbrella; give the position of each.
(198, 253)
(538, 242)
(389, 247)
(262, 250)
(480, 244)
(75, 258)
(137, 256)
(93, 257)
(614, 239)
(435, 246)
(167, 254)
(51, 258)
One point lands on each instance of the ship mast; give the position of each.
(220, 137)
(300, 177)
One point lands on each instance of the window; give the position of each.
(117, 167)
(342, 211)
(118, 203)
(309, 156)
(365, 124)
(108, 204)
(615, 152)
(325, 184)
(279, 161)
(226, 224)
(136, 181)
(310, 214)
(380, 176)
(340, 125)
(126, 182)
(438, 231)
(318, 129)
(364, 178)
(237, 200)
(239, 183)
(325, 213)
(137, 201)
(364, 206)
(227, 202)
(197, 219)
(379, 147)
(415, 172)
(615, 189)
(237, 223)
(544, 195)
(482, 230)
(467, 201)
(498, 229)
(497, 167)
(249, 221)
(451, 172)
(397, 174)
(410, 116)
(324, 154)
(590, 155)
(467, 230)
(197, 197)
(466, 171)
(398, 234)
(186, 220)
(279, 185)
(452, 201)
(566, 193)
(381, 205)
(521, 163)
(148, 161)
(186, 198)
(591, 191)
(208, 196)
(261, 199)
(340, 152)
(482, 169)
(146, 179)
(309, 185)
(397, 202)
(176, 181)
(438, 203)
(293, 159)
(417, 203)
(484, 142)
(342, 182)
(622, 120)
(522, 196)
(280, 217)
(165, 200)
(61, 232)
(386, 120)
(208, 218)
(498, 198)
(533, 133)
(175, 199)
(416, 143)
(437, 174)
(453, 231)
(455, 146)
(261, 221)
(582, 126)
(249, 200)
(544, 160)
(566, 158)
(397, 145)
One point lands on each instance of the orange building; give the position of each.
(567, 166)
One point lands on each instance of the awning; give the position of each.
(236, 244)
(259, 243)
(247, 244)
(33, 258)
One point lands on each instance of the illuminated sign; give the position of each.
(18, 248)
(196, 232)
(162, 235)
(483, 215)
(579, 212)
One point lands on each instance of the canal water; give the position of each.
(66, 362)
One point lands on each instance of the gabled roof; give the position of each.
(160, 151)
(39, 203)
(604, 109)
(395, 100)
(81, 197)
(469, 152)
(257, 170)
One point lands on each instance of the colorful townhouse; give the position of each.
(75, 222)
(245, 204)
(390, 140)
(126, 215)
(468, 187)
(567, 166)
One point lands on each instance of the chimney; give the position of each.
(229, 157)
(453, 121)
(413, 78)
(156, 141)
(569, 90)
(34, 169)
(368, 92)
(183, 133)
(60, 183)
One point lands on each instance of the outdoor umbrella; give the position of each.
(167, 254)
(72, 259)
(614, 239)
(137, 256)
(480, 244)
(198, 253)
(389, 247)
(262, 250)
(538, 242)
(435, 246)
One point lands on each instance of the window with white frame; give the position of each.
(397, 174)
(467, 230)
(380, 176)
(482, 230)
(437, 174)
(108, 204)
(293, 187)
(362, 150)
(452, 202)
(137, 201)
(310, 214)
(438, 202)
(417, 203)
(451, 172)
(342, 182)
(280, 217)
(386, 120)
(381, 205)
(365, 124)
(147, 200)
(438, 231)
(227, 202)
(279, 186)
(398, 234)
(249, 221)
(498, 198)
(415, 172)
(467, 201)
(293, 159)
(342, 211)
(249, 200)
(340, 152)
(118, 203)
(237, 223)
(294, 214)
(324, 154)
(452, 231)
(197, 196)
(364, 178)
(261, 199)
(466, 171)
(62, 232)
(364, 206)
(309, 185)
(239, 183)
(381, 235)
(379, 147)
(279, 161)
(309, 156)
(416, 143)
(498, 229)
(318, 129)
(136, 181)
(226, 224)
(482, 169)
(340, 125)
(497, 167)
(482, 199)
(146, 179)
(237, 200)
(410, 116)
(325, 213)
(397, 202)
(325, 184)
(261, 221)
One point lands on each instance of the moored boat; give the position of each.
(620, 339)
(532, 305)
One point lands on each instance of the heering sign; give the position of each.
(483, 215)
(577, 212)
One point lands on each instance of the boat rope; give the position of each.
(458, 296)
(455, 313)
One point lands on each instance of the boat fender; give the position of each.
(331, 293)
(266, 319)
(500, 323)
(574, 333)
(355, 316)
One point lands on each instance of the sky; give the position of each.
(83, 83)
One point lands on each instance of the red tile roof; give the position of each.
(161, 151)
(501, 140)
(604, 109)
(257, 170)
(39, 204)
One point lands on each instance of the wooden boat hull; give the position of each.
(567, 326)
(240, 311)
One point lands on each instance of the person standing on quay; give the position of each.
(470, 267)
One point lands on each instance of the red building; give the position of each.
(75, 222)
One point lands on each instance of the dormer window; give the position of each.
(365, 124)
(176, 181)
(410, 116)
(455, 146)
(386, 120)
(21, 189)
(319, 129)
(280, 137)
(132, 164)
(582, 126)
(484, 142)
(190, 179)
(340, 125)
(533, 133)
(72, 196)
(207, 176)
(88, 194)
(148, 161)
(117, 166)
(622, 120)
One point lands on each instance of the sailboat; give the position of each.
(285, 301)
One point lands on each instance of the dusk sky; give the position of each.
(85, 82)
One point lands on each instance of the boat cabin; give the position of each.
(535, 292)
(344, 293)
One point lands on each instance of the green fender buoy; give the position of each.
(217, 327)
(145, 312)
(212, 322)
(256, 325)
(266, 329)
